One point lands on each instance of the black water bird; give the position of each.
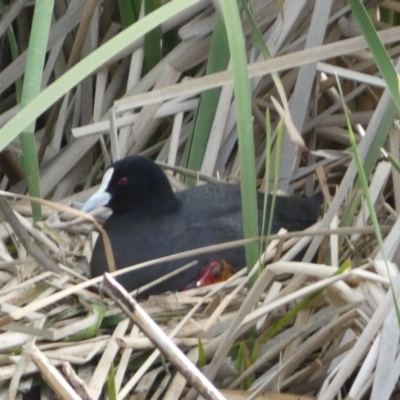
(150, 221)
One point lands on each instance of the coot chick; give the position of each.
(215, 271)
(150, 221)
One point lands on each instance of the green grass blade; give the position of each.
(217, 61)
(255, 32)
(136, 4)
(278, 157)
(377, 49)
(244, 125)
(202, 358)
(259, 42)
(31, 88)
(98, 311)
(126, 13)
(267, 171)
(111, 389)
(152, 40)
(382, 133)
(393, 161)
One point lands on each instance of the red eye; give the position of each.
(123, 181)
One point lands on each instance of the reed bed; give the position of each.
(324, 327)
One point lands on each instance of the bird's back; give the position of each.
(209, 214)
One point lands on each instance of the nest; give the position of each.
(295, 327)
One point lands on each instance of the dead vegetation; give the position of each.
(322, 328)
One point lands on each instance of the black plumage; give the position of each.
(150, 221)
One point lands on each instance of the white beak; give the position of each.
(101, 197)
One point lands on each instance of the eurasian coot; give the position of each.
(150, 221)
